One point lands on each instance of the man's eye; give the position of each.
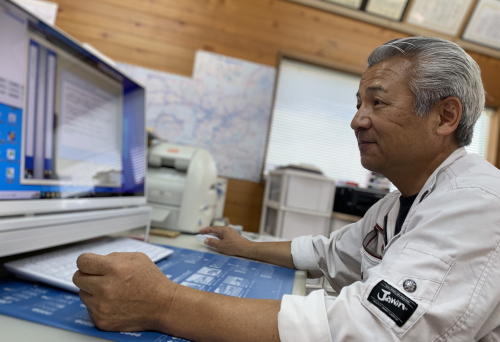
(376, 102)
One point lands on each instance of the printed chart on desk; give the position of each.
(203, 271)
(227, 102)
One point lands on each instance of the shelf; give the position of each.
(396, 25)
(275, 205)
(346, 217)
(340, 216)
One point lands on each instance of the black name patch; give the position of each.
(393, 303)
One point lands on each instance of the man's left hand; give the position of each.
(123, 291)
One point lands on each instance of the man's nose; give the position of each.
(361, 120)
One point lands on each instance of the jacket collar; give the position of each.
(424, 192)
(431, 181)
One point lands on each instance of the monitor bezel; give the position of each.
(38, 206)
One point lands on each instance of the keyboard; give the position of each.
(57, 268)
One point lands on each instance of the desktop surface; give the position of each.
(14, 329)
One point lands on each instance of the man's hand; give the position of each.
(128, 292)
(124, 291)
(230, 243)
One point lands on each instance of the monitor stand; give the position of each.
(28, 233)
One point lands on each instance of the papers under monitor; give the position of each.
(390, 9)
(46, 10)
(484, 25)
(445, 16)
(349, 3)
(159, 214)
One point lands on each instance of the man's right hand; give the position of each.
(230, 243)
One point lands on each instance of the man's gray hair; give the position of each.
(440, 69)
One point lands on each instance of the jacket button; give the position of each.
(409, 285)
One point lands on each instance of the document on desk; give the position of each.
(203, 271)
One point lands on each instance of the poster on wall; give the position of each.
(356, 4)
(224, 108)
(484, 25)
(390, 9)
(445, 16)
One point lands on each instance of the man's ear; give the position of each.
(450, 113)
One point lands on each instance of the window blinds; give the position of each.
(481, 135)
(311, 121)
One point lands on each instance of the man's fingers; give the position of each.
(212, 242)
(209, 230)
(95, 264)
(219, 230)
(84, 281)
(86, 298)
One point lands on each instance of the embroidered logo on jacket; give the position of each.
(387, 298)
(392, 303)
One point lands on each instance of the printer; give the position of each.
(181, 187)
(356, 201)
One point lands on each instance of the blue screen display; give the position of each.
(71, 126)
(10, 146)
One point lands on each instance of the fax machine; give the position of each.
(181, 183)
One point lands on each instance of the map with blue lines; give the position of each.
(224, 108)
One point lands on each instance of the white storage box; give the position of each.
(297, 203)
(309, 193)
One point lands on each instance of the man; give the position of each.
(422, 265)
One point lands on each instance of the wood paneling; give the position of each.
(244, 203)
(494, 140)
(164, 35)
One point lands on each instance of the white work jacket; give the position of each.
(437, 280)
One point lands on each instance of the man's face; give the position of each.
(390, 136)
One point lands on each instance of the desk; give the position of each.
(13, 329)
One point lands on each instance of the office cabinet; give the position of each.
(297, 203)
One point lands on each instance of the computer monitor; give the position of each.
(72, 126)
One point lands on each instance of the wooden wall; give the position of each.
(164, 35)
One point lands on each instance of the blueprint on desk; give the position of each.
(203, 271)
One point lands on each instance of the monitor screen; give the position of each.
(71, 125)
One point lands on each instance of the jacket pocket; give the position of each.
(367, 261)
(410, 285)
(426, 267)
(391, 307)
(370, 256)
